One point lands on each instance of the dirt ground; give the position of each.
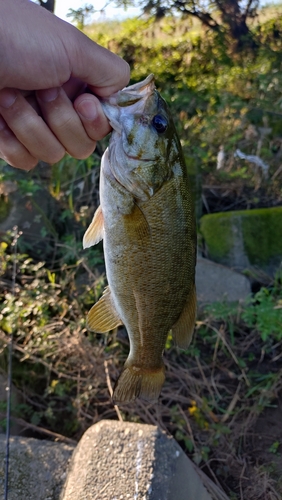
(265, 443)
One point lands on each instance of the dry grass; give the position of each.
(211, 401)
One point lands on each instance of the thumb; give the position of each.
(103, 71)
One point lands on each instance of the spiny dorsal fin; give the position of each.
(103, 316)
(95, 231)
(183, 329)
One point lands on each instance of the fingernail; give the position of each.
(7, 98)
(87, 110)
(48, 95)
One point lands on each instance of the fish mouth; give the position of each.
(148, 83)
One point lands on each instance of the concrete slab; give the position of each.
(121, 460)
(215, 283)
(37, 468)
(245, 239)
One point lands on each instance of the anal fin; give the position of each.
(182, 330)
(95, 231)
(103, 316)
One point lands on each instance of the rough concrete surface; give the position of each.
(215, 282)
(121, 460)
(37, 469)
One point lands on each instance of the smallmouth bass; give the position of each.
(146, 219)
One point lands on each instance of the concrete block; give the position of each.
(121, 460)
(245, 238)
(37, 469)
(215, 283)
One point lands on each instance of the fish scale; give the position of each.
(147, 221)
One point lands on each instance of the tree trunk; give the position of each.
(48, 4)
(235, 20)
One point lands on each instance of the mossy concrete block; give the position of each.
(37, 469)
(244, 239)
(122, 460)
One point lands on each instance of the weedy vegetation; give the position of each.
(222, 399)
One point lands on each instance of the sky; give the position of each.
(62, 7)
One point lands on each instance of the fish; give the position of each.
(147, 222)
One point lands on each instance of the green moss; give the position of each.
(247, 237)
(217, 232)
(262, 235)
(4, 208)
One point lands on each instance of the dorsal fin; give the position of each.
(95, 231)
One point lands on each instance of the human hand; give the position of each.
(45, 67)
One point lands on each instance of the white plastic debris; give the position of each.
(220, 158)
(253, 159)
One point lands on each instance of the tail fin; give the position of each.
(138, 383)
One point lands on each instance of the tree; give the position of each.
(80, 15)
(48, 4)
(226, 17)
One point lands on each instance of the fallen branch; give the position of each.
(41, 430)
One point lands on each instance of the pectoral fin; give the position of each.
(95, 231)
(103, 316)
(183, 329)
(137, 227)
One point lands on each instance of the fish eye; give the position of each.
(160, 123)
